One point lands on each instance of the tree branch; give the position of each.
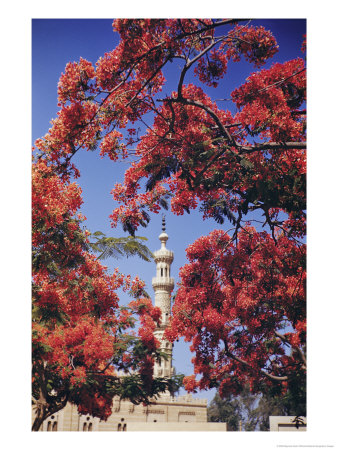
(210, 27)
(295, 347)
(245, 363)
(209, 111)
(191, 62)
(272, 146)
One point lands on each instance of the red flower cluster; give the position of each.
(74, 82)
(237, 304)
(256, 44)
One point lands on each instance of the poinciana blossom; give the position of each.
(243, 308)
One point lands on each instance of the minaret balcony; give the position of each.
(164, 255)
(165, 283)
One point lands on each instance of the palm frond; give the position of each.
(111, 247)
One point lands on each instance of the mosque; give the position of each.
(167, 412)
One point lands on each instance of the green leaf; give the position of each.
(246, 163)
(98, 233)
(126, 246)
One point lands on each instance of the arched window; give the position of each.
(119, 426)
(161, 271)
(124, 427)
(85, 426)
(166, 270)
(90, 427)
(52, 425)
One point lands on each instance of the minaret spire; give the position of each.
(163, 285)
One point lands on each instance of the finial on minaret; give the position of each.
(163, 237)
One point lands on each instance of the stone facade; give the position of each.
(182, 413)
(285, 423)
(166, 413)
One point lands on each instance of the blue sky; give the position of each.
(58, 41)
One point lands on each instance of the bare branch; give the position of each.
(191, 62)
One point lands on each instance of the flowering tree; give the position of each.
(241, 297)
(234, 303)
(84, 349)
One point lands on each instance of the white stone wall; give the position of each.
(166, 413)
(285, 423)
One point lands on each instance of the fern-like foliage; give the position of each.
(160, 170)
(219, 209)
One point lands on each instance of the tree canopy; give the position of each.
(85, 349)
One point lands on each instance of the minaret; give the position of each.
(163, 285)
